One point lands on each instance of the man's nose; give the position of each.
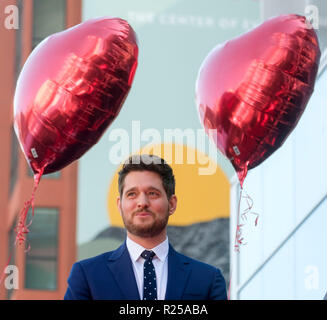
(143, 201)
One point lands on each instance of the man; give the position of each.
(145, 266)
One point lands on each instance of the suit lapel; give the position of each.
(178, 273)
(120, 265)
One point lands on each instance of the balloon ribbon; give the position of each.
(22, 228)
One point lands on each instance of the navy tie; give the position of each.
(150, 282)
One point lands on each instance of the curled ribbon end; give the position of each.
(22, 228)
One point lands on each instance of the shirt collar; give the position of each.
(135, 250)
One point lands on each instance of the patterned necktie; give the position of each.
(150, 283)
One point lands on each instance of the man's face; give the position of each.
(143, 205)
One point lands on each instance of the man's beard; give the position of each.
(146, 230)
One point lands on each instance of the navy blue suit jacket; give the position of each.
(110, 276)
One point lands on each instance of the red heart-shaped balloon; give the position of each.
(252, 90)
(71, 88)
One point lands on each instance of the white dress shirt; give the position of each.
(160, 262)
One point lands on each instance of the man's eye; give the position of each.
(130, 194)
(153, 193)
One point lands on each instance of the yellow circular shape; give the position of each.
(202, 188)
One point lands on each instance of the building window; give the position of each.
(13, 161)
(48, 17)
(41, 264)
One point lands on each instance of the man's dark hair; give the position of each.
(147, 162)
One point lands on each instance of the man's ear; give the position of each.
(172, 204)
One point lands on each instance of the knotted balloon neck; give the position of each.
(241, 173)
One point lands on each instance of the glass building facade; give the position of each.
(284, 257)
